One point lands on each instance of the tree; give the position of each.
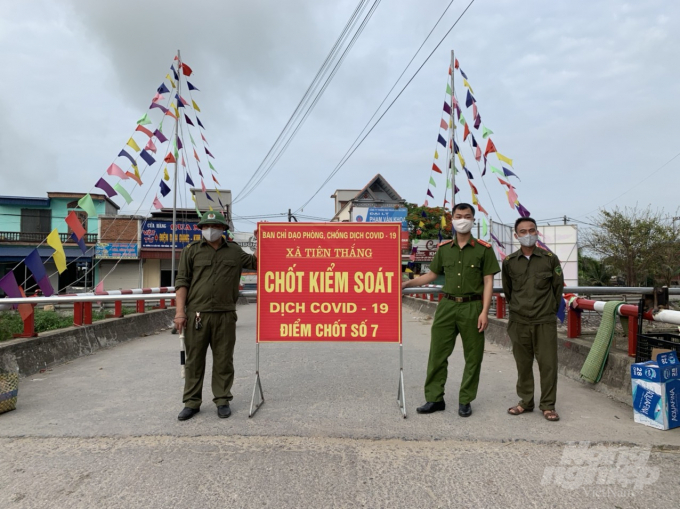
(431, 222)
(637, 244)
(592, 272)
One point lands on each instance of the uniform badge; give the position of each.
(558, 270)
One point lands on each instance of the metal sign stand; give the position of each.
(401, 396)
(257, 388)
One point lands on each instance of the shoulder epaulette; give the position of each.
(484, 243)
(547, 251)
(444, 243)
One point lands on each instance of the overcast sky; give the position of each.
(582, 95)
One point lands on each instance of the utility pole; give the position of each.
(291, 217)
(565, 220)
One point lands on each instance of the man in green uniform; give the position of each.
(468, 265)
(533, 283)
(207, 288)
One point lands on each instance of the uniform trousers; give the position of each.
(450, 319)
(218, 331)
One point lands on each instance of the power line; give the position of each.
(351, 151)
(306, 97)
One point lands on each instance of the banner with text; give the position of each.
(329, 282)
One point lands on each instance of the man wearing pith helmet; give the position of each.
(207, 287)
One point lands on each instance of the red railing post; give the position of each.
(500, 306)
(29, 324)
(573, 322)
(117, 310)
(161, 304)
(78, 314)
(140, 306)
(87, 313)
(173, 303)
(632, 336)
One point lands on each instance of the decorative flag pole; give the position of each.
(453, 127)
(174, 190)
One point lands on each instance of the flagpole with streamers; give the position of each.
(174, 193)
(451, 141)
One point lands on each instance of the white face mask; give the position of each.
(211, 234)
(528, 240)
(463, 225)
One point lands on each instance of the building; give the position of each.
(25, 223)
(376, 202)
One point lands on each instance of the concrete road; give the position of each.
(102, 432)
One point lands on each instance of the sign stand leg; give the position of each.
(401, 396)
(257, 389)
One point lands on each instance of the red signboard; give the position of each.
(329, 282)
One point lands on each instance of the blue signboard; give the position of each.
(116, 250)
(158, 234)
(382, 215)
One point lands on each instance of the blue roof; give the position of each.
(26, 201)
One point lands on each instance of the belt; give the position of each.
(462, 299)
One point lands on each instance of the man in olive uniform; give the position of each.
(468, 265)
(207, 288)
(533, 283)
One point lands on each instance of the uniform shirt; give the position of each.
(464, 269)
(533, 287)
(212, 275)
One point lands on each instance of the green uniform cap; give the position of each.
(212, 217)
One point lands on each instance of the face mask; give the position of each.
(463, 225)
(211, 234)
(528, 240)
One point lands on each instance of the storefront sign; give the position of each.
(380, 215)
(116, 251)
(158, 234)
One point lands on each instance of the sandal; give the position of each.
(518, 410)
(551, 415)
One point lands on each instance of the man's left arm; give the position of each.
(557, 282)
(489, 269)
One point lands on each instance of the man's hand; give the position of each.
(180, 323)
(483, 321)
(404, 284)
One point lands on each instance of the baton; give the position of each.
(182, 356)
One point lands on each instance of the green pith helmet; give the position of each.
(212, 217)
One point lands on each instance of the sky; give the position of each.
(583, 96)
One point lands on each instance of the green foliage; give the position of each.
(432, 222)
(592, 272)
(642, 246)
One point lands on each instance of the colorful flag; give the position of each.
(157, 97)
(193, 103)
(144, 130)
(508, 173)
(160, 136)
(148, 158)
(74, 223)
(115, 171)
(150, 146)
(496, 170)
(469, 99)
(435, 168)
(466, 84)
(134, 176)
(162, 89)
(186, 70)
(490, 147)
(170, 158)
(35, 265)
(59, 257)
(189, 181)
(104, 186)
(444, 125)
(188, 120)
(486, 132)
(466, 132)
(123, 153)
(448, 89)
(216, 182)
(469, 175)
(80, 242)
(436, 154)
(166, 176)
(9, 285)
(133, 144)
(144, 120)
(462, 73)
(159, 106)
(157, 203)
(87, 205)
(164, 188)
(522, 211)
(478, 153)
(429, 193)
(191, 87)
(481, 209)
(208, 152)
(126, 196)
(199, 122)
(441, 140)
(478, 121)
(501, 157)
(167, 77)
(211, 166)
(447, 108)
(434, 184)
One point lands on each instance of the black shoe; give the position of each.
(430, 407)
(223, 411)
(187, 413)
(464, 410)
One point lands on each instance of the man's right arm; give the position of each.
(507, 282)
(420, 280)
(180, 311)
